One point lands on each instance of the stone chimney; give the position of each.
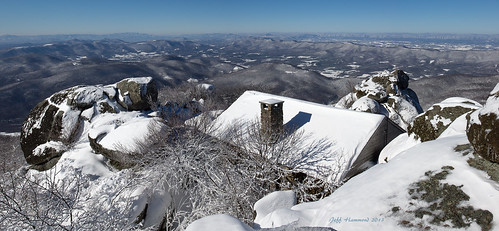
(271, 119)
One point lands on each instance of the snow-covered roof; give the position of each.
(347, 130)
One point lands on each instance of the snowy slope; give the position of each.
(367, 201)
(347, 131)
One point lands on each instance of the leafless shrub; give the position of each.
(49, 202)
(206, 175)
(11, 154)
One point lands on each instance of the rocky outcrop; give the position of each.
(430, 125)
(54, 123)
(483, 128)
(386, 93)
(137, 93)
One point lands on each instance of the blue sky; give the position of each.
(33, 17)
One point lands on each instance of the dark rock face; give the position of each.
(429, 125)
(52, 125)
(44, 124)
(483, 128)
(402, 79)
(135, 93)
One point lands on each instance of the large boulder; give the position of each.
(137, 93)
(430, 125)
(386, 93)
(52, 124)
(483, 128)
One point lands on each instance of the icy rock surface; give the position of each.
(387, 94)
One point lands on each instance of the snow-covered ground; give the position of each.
(380, 198)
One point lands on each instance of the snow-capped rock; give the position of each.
(55, 122)
(483, 128)
(119, 137)
(428, 186)
(386, 93)
(366, 104)
(429, 125)
(136, 93)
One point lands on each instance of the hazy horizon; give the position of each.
(261, 33)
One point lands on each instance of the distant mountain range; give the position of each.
(282, 64)
(421, 38)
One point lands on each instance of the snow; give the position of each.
(347, 131)
(346, 100)
(82, 157)
(331, 73)
(140, 80)
(88, 95)
(458, 126)
(492, 104)
(123, 130)
(271, 101)
(69, 122)
(58, 146)
(396, 146)
(459, 101)
(365, 201)
(191, 80)
(10, 134)
(220, 222)
(88, 114)
(206, 86)
(158, 205)
(273, 201)
(495, 90)
(366, 104)
(439, 119)
(101, 185)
